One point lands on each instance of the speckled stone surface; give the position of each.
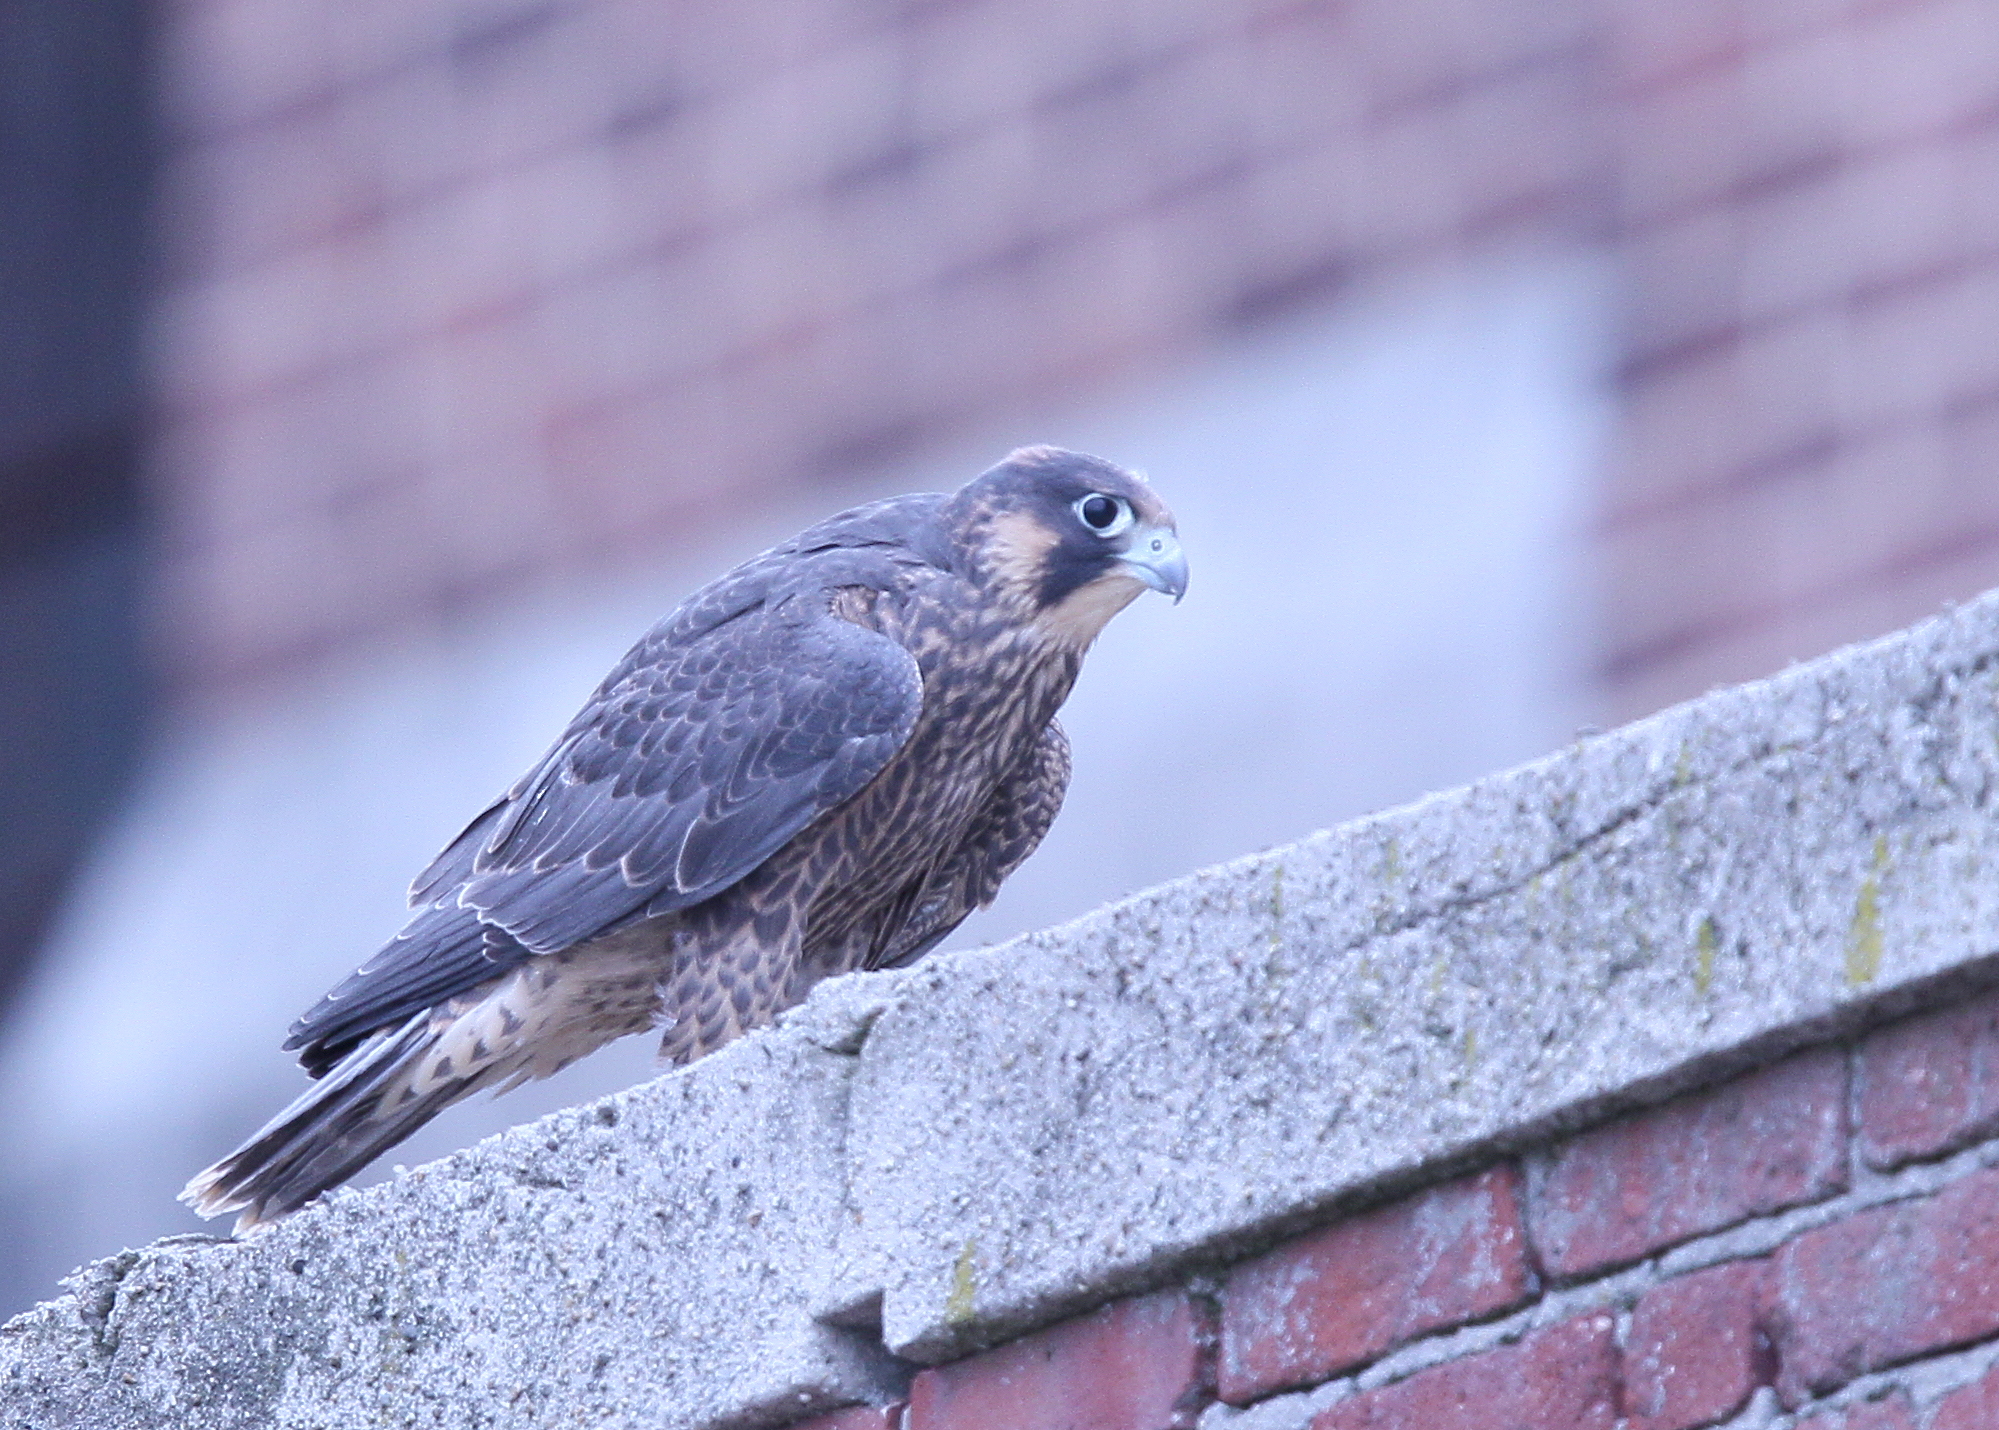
(940, 1158)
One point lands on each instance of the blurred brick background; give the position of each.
(1807, 211)
(460, 293)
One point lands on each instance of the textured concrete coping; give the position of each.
(918, 1163)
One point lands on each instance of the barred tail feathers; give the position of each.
(529, 1023)
(372, 1099)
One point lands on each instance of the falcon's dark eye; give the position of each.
(1106, 516)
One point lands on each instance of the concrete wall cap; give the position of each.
(918, 1163)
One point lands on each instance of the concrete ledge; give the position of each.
(940, 1158)
(643, 1261)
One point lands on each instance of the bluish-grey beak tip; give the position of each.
(1156, 559)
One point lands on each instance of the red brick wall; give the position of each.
(1808, 213)
(465, 294)
(1807, 1232)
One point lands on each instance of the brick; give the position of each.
(1682, 293)
(273, 188)
(355, 188)
(1415, 147)
(1565, 1376)
(1682, 146)
(1970, 1407)
(1789, 377)
(1891, 1413)
(1929, 1085)
(1794, 105)
(1671, 426)
(1976, 156)
(1696, 1350)
(1339, 1297)
(304, 313)
(763, 142)
(1927, 324)
(1927, 65)
(228, 61)
(1497, 172)
(1773, 1139)
(1160, 126)
(1885, 1286)
(1136, 1364)
(1864, 605)
(1312, 211)
(1654, 45)
(1882, 502)
(1302, 50)
(1896, 213)
(1794, 252)
(1724, 555)
(740, 44)
(856, 1417)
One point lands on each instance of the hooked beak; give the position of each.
(1156, 559)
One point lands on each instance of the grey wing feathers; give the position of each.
(693, 772)
(737, 721)
(442, 951)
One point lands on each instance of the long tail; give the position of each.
(529, 1023)
(372, 1099)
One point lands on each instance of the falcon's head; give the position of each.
(1067, 540)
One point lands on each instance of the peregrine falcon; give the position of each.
(822, 762)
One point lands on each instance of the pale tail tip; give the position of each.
(204, 1196)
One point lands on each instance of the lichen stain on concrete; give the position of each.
(958, 1306)
(1391, 861)
(1704, 946)
(1863, 939)
(1568, 892)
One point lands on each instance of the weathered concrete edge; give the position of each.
(1185, 1075)
(642, 1261)
(996, 1139)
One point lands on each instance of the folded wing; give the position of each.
(711, 746)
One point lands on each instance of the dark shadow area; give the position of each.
(76, 160)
